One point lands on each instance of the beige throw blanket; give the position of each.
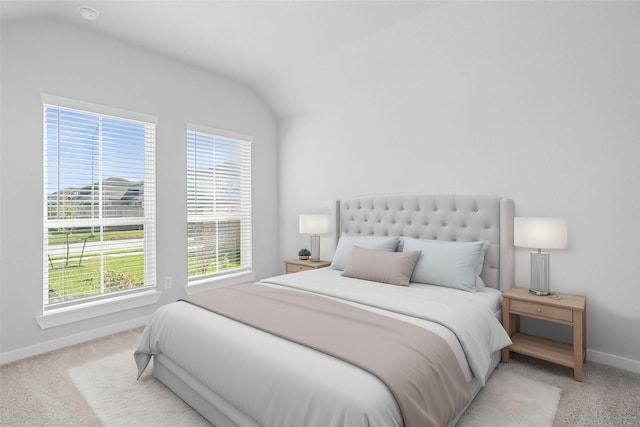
(416, 365)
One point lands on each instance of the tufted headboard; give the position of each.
(446, 217)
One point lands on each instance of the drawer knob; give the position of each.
(539, 310)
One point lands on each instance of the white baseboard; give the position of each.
(613, 360)
(44, 347)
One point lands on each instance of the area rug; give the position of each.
(510, 400)
(109, 386)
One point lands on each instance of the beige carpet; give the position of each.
(111, 390)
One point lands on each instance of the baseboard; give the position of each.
(613, 360)
(47, 346)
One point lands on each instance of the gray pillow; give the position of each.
(451, 264)
(394, 268)
(347, 242)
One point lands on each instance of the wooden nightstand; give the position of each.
(568, 310)
(296, 265)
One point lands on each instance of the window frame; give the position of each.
(88, 307)
(245, 273)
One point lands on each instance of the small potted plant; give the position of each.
(304, 253)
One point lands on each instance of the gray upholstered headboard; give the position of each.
(447, 217)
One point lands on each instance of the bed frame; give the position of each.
(426, 216)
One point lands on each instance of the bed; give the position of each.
(238, 375)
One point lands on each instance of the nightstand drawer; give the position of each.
(540, 310)
(294, 268)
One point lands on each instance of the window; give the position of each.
(218, 203)
(99, 202)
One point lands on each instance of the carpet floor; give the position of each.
(54, 389)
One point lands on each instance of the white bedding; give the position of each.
(473, 323)
(488, 297)
(278, 383)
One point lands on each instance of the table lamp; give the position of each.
(540, 233)
(314, 224)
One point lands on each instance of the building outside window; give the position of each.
(99, 202)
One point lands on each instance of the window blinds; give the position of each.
(99, 207)
(218, 202)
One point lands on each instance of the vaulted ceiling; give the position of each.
(252, 42)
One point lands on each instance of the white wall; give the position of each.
(59, 59)
(536, 101)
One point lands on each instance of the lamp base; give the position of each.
(315, 248)
(539, 293)
(539, 284)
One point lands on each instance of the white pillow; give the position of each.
(451, 264)
(393, 268)
(347, 242)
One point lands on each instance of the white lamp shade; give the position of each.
(314, 224)
(540, 233)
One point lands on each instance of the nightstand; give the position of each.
(569, 310)
(296, 265)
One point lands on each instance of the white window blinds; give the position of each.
(218, 202)
(99, 207)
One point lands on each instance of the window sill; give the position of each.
(80, 312)
(210, 283)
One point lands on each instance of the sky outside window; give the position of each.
(83, 148)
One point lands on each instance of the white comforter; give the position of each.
(478, 331)
(279, 383)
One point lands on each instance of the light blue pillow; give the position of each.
(452, 264)
(347, 242)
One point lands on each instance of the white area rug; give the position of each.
(109, 386)
(509, 400)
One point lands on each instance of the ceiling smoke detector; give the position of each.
(88, 13)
